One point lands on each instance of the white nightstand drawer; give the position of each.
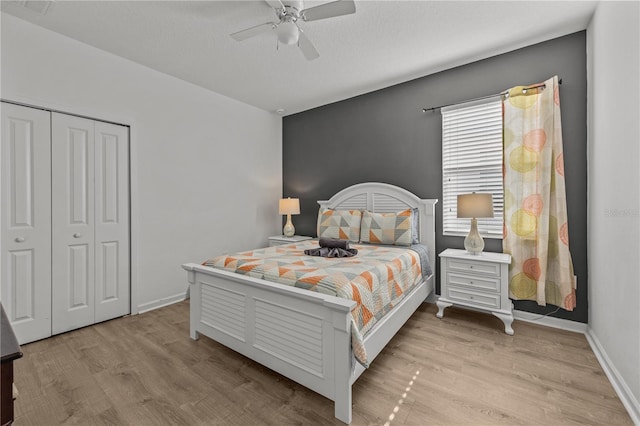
(486, 300)
(279, 243)
(471, 281)
(475, 267)
(280, 240)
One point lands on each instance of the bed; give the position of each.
(250, 315)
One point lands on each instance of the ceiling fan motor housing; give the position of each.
(288, 13)
(298, 5)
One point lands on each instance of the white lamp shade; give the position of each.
(288, 32)
(289, 206)
(475, 205)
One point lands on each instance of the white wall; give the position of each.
(614, 194)
(206, 169)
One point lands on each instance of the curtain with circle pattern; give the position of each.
(535, 220)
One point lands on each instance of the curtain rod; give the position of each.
(505, 93)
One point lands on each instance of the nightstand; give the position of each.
(279, 240)
(479, 282)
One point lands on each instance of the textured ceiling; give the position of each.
(383, 43)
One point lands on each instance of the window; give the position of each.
(472, 162)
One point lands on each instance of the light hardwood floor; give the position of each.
(145, 370)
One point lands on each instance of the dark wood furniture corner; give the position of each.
(10, 351)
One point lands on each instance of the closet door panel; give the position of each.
(112, 297)
(26, 221)
(73, 240)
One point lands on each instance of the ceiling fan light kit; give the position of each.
(288, 32)
(287, 29)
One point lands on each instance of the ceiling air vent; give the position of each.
(39, 7)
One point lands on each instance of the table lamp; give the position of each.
(474, 206)
(289, 206)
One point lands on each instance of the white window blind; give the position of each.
(472, 162)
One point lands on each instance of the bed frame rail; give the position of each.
(303, 335)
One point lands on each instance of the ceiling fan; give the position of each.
(287, 29)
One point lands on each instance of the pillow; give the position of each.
(387, 228)
(341, 224)
(415, 226)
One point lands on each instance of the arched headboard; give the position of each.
(380, 197)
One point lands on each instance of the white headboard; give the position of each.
(384, 198)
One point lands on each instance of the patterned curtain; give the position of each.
(535, 220)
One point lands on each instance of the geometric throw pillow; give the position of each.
(387, 228)
(340, 224)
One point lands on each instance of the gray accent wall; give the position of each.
(384, 136)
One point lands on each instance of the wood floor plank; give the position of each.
(459, 370)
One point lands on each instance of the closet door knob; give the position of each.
(77, 235)
(19, 240)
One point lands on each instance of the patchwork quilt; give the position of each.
(377, 278)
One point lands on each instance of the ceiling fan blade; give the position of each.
(307, 48)
(329, 10)
(253, 31)
(276, 4)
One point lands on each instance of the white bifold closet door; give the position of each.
(26, 220)
(65, 221)
(90, 222)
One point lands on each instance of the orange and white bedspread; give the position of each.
(377, 278)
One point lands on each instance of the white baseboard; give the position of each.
(548, 321)
(629, 401)
(159, 303)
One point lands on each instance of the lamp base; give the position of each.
(289, 230)
(473, 242)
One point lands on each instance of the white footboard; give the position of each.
(303, 335)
